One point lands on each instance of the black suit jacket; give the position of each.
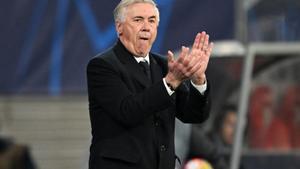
(133, 119)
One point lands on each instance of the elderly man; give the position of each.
(135, 95)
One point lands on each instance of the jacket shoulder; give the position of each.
(159, 58)
(107, 57)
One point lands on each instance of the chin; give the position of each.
(144, 52)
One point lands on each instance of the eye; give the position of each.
(137, 20)
(152, 20)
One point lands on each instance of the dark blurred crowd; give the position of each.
(273, 125)
(215, 145)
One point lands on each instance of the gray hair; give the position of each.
(120, 10)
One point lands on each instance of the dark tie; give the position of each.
(146, 68)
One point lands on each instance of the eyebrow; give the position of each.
(140, 17)
(152, 17)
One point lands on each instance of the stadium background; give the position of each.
(45, 46)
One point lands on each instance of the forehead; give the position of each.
(230, 115)
(141, 9)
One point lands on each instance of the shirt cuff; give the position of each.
(200, 88)
(170, 92)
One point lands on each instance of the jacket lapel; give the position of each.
(131, 65)
(156, 71)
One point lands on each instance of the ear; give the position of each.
(119, 28)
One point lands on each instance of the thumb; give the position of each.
(170, 57)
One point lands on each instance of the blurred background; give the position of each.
(254, 72)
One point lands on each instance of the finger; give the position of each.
(184, 52)
(196, 41)
(186, 58)
(195, 56)
(192, 57)
(208, 51)
(205, 60)
(202, 39)
(191, 66)
(195, 53)
(206, 42)
(198, 58)
(195, 68)
(211, 45)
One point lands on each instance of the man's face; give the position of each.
(228, 127)
(139, 29)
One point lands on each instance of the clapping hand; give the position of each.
(191, 64)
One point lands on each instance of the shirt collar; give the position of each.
(138, 59)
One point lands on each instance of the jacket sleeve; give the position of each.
(191, 105)
(108, 93)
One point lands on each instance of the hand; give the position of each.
(181, 69)
(202, 51)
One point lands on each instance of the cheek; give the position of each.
(154, 32)
(153, 37)
(227, 130)
(130, 30)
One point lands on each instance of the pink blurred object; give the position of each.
(198, 163)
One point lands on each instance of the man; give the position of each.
(133, 107)
(215, 145)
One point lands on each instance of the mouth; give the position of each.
(144, 38)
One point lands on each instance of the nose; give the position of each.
(146, 26)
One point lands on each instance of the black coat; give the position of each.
(133, 119)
